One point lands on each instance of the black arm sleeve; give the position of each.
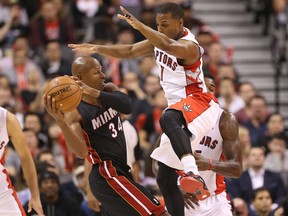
(116, 100)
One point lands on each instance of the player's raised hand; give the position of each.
(129, 18)
(84, 48)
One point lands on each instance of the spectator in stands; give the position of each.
(17, 66)
(228, 99)
(255, 177)
(53, 200)
(277, 159)
(275, 126)
(191, 22)
(34, 85)
(46, 156)
(239, 207)
(215, 58)
(244, 139)
(261, 202)
(147, 67)
(53, 64)
(246, 92)
(131, 83)
(283, 209)
(257, 125)
(50, 26)
(126, 36)
(13, 23)
(34, 121)
(13, 162)
(142, 114)
(227, 71)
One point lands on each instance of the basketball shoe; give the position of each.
(191, 183)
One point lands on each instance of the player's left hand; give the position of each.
(201, 162)
(129, 18)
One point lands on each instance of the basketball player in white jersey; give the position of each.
(179, 57)
(9, 203)
(220, 156)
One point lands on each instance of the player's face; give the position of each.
(171, 27)
(95, 77)
(210, 84)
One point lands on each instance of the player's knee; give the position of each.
(170, 120)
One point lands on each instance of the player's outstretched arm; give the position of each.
(181, 49)
(118, 50)
(232, 166)
(19, 141)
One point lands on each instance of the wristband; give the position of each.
(210, 164)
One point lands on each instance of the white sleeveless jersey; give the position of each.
(210, 147)
(3, 133)
(176, 80)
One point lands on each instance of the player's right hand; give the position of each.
(84, 48)
(52, 109)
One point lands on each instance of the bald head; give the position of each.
(84, 64)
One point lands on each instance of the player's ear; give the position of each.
(181, 21)
(79, 76)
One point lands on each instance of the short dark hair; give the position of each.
(209, 76)
(259, 190)
(174, 9)
(260, 97)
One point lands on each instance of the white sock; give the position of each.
(189, 164)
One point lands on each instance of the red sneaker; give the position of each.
(191, 183)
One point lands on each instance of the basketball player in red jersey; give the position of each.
(179, 57)
(220, 156)
(95, 131)
(10, 129)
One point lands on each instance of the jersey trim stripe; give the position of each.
(128, 191)
(10, 186)
(92, 156)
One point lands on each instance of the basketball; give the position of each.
(65, 91)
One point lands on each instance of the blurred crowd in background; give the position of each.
(33, 39)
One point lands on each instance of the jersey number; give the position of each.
(161, 73)
(114, 130)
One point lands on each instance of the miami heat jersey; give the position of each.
(3, 133)
(179, 81)
(210, 147)
(103, 131)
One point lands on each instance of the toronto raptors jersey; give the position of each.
(103, 131)
(3, 133)
(210, 146)
(179, 81)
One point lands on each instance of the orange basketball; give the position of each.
(65, 91)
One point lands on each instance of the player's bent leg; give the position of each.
(167, 182)
(171, 123)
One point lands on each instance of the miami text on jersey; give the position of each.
(103, 118)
